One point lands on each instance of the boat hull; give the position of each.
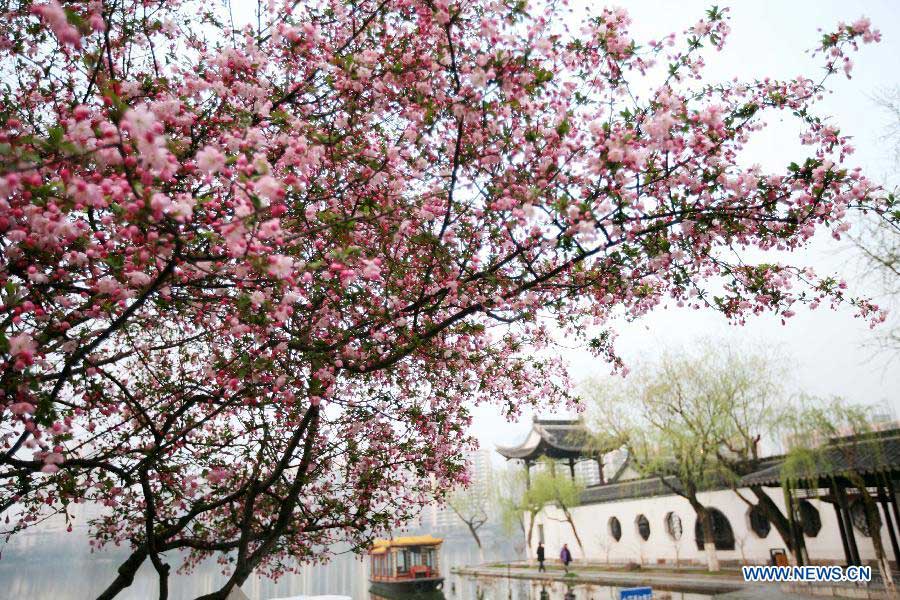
(392, 589)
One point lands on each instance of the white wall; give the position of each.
(592, 523)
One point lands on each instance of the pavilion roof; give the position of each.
(554, 438)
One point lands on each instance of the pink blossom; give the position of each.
(54, 458)
(371, 269)
(22, 345)
(53, 14)
(217, 475)
(268, 187)
(281, 266)
(140, 120)
(138, 278)
(210, 160)
(22, 408)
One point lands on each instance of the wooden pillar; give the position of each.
(572, 468)
(600, 469)
(892, 496)
(527, 474)
(796, 540)
(842, 527)
(892, 532)
(845, 508)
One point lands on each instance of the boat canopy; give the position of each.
(382, 546)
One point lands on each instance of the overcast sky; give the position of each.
(830, 352)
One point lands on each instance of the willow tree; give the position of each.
(669, 432)
(834, 439)
(515, 510)
(556, 488)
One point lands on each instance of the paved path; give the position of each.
(676, 582)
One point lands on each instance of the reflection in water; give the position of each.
(432, 595)
(501, 588)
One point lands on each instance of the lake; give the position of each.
(54, 565)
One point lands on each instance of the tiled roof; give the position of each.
(623, 490)
(553, 438)
(866, 455)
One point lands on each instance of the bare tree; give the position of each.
(472, 510)
(877, 235)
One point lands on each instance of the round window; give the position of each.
(673, 526)
(758, 521)
(643, 527)
(810, 521)
(858, 517)
(723, 536)
(615, 529)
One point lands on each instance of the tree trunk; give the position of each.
(774, 516)
(571, 522)
(127, 570)
(474, 531)
(531, 517)
(709, 540)
(873, 520)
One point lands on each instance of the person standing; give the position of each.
(565, 556)
(541, 557)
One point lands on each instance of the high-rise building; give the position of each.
(440, 517)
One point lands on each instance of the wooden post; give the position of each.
(572, 468)
(841, 525)
(885, 505)
(893, 498)
(600, 469)
(851, 536)
(527, 474)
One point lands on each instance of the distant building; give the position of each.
(441, 518)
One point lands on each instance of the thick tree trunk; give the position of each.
(706, 529)
(127, 571)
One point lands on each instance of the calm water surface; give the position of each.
(54, 565)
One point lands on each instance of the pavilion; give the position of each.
(559, 440)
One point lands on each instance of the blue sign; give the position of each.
(638, 593)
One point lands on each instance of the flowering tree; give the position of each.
(253, 276)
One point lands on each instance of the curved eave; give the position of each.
(542, 448)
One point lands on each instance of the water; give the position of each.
(498, 588)
(51, 564)
(57, 566)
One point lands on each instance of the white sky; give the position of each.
(832, 352)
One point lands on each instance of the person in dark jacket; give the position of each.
(565, 556)
(541, 557)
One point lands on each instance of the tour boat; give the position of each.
(405, 565)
